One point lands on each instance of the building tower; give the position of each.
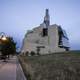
(46, 38)
(47, 18)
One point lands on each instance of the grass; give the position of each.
(57, 66)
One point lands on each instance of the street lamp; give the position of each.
(3, 36)
(3, 41)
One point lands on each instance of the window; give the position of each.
(45, 32)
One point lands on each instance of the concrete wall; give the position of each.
(35, 39)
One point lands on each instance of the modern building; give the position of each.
(45, 38)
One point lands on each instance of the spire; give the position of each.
(47, 18)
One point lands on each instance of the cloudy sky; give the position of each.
(18, 16)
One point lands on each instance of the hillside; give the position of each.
(57, 66)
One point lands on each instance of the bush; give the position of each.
(27, 53)
(32, 53)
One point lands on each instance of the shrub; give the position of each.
(32, 53)
(27, 53)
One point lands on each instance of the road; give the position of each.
(8, 69)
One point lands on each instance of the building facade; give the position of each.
(45, 38)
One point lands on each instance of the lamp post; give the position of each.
(3, 37)
(3, 40)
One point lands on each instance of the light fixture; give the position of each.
(4, 38)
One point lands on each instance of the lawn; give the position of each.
(56, 66)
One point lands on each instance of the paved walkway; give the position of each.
(20, 74)
(8, 69)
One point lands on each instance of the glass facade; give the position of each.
(63, 39)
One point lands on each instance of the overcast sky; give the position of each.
(18, 16)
